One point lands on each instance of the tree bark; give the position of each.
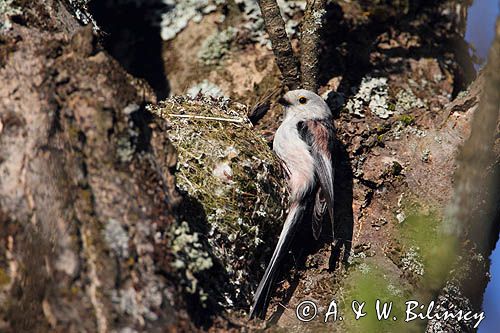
(310, 38)
(475, 218)
(86, 191)
(282, 48)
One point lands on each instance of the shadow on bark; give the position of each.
(132, 36)
(344, 219)
(193, 212)
(216, 282)
(346, 51)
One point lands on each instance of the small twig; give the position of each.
(282, 48)
(230, 120)
(309, 43)
(187, 181)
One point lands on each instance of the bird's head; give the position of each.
(303, 104)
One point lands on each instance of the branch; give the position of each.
(282, 48)
(309, 43)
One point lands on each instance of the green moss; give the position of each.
(407, 119)
(436, 250)
(368, 282)
(73, 132)
(74, 290)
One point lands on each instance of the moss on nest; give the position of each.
(229, 172)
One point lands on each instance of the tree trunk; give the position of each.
(88, 200)
(475, 206)
(85, 191)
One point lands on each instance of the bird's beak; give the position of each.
(283, 101)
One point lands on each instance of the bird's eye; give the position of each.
(302, 100)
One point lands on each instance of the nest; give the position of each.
(234, 190)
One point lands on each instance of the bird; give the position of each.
(304, 143)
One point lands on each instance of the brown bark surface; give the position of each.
(311, 28)
(282, 48)
(475, 217)
(87, 192)
(85, 189)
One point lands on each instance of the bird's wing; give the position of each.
(260, 299)
(320, 135)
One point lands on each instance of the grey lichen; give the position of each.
(412, 262)
(81, 12)
(252, 19)
(406, 101)
(216, 47)
(400, 216)
(229, 172)
(206, 88)
(394, 291)
(314, 25)
(8, 9)
(373, 93)
(181, 12)
(190, 257)
(401, 128)
(425, 155)
(463, 93)
(127, 139)
(400, 213)
(451, 299)
(186, 246)
(364, 268)
(116, 238)
(289, 11)
(318, 17)
(137, 303)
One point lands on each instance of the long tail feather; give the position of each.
(318, 213)
(260, 300)
(326, 175)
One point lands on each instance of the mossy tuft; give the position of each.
(234, 188)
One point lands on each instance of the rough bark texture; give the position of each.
(85, 188)
(310, 30)
(87, 193)
(282, 48)
(475, 216)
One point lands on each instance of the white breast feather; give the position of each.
(294, 152)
